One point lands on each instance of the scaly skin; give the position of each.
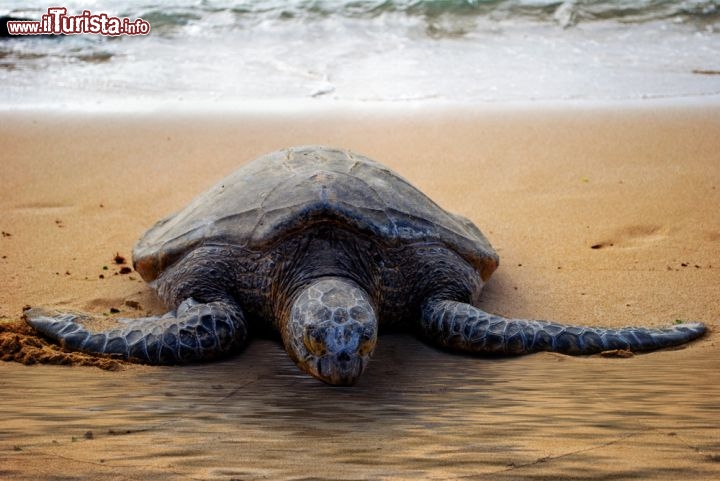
(463, 327)
(195, 332)
(329, 323)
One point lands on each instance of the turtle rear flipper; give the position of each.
(464, 327)
(195, 332)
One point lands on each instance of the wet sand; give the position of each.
(601, 214)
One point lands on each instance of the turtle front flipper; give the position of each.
(194, 332)
(463, 327)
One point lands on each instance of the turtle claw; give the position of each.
(53, 324)
(185, 305)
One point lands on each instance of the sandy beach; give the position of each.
(602, 213)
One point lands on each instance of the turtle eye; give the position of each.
(366, 344)
(314, 341)
(366, 348)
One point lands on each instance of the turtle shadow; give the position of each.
(405, 379)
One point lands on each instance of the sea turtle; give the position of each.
(324, 246)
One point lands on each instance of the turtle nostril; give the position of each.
(343, 356)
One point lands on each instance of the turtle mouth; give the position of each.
(340, 369)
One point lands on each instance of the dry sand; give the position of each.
(640, 183)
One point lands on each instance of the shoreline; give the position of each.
(292, 105)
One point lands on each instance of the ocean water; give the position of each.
(219, 51)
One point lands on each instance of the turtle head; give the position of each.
(331, 331)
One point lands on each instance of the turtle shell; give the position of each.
(287, 191)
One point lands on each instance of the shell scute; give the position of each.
(287, 191)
